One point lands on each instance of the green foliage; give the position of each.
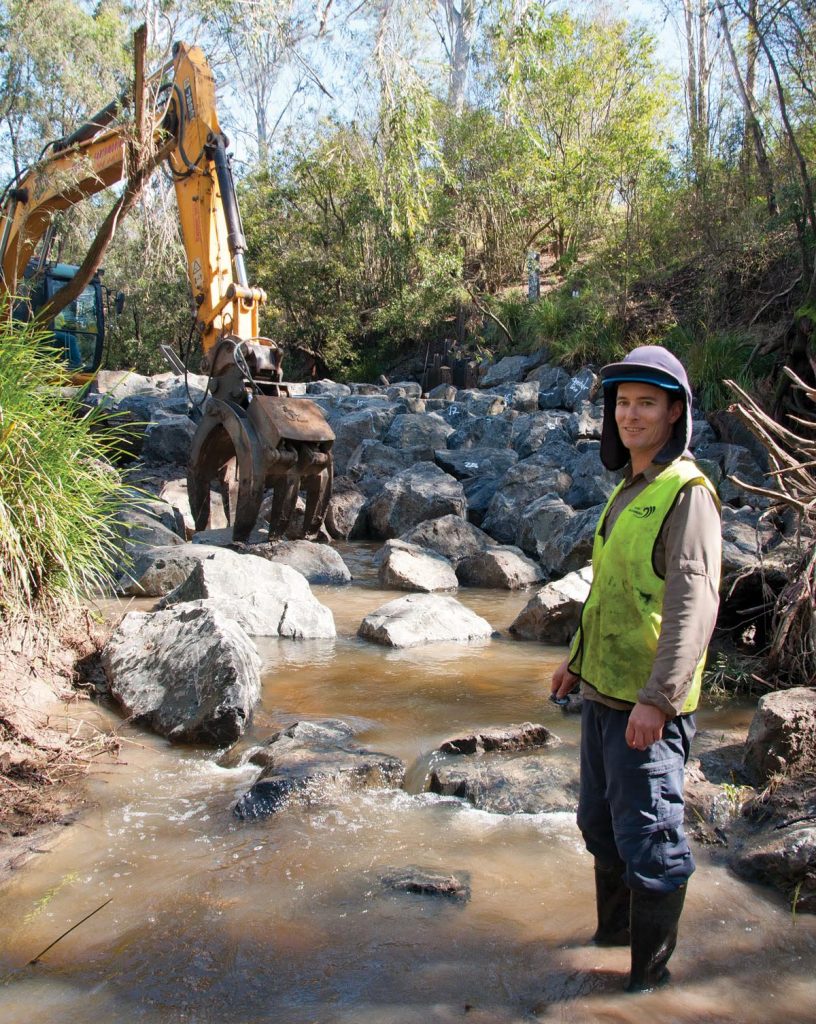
(734, 674)
(58, 489)
(711, 357)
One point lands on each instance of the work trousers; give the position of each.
(631, 802)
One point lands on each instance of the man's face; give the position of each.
(645, 415)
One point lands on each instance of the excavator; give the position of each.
(252, 436)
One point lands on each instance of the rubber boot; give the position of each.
(612, 904)
(654, 920)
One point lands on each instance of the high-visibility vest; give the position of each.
(621, 620)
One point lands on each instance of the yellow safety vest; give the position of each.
(621, 619)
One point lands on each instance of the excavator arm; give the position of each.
(252, 436)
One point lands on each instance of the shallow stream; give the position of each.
(286, 920)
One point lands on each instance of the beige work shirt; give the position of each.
(687, 555)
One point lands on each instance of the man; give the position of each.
(639, 655)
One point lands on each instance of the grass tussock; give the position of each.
(59, 490)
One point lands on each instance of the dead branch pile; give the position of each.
(792, 655)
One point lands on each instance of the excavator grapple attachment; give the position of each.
(278, 444)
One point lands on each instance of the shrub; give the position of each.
(59, 492)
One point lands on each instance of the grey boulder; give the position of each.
(318, 563)
(782, 736)
(410, 567)
(423, 619)
(190, 674)
(553, 615)
(421, 492)
(450, 536)
(502, 567)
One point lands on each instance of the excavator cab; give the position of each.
(79, 328)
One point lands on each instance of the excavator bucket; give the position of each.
(278, 444)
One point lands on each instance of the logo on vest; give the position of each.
(644, 511)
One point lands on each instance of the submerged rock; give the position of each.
(510, 738)
(526, 784)
(309, 760)
(426, 882)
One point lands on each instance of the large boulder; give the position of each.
(543, 433)
(421, 492)
(480, 403)
(523, 396)
(553, 615)
(501, 567)
(579, 389)
(410, 567)
(190, 674)
(557, 536)
(464, 463)
(522, 484)
(592, 484)
(551, 383)
(423, 619)
(509, 370)
(308, 762)
(425, 431)
(327, 387)
(352, 429)
(483, 432)
(319, 563)
(268, 599)
(782, 737)
(344, 512)
(373, 463)
(157, 571)
(734, 461)
(146, 524)
(508, 739)
(168, 437)
(450, 536)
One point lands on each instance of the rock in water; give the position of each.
(423, 619)
(410, 567)
(553, 615)
(782, 737)
(425, 882)
(190, 674)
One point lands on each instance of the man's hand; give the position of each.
(645, 726)
(563, 680)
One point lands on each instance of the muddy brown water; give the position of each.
(286, 920)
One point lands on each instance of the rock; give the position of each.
(267, 598)
(191, 675)
(410, 567)
(319, 563)
(423, 619)
(559, 538)
(730, 429)
(542, 433)
(421, 492)
(592, 484)
(480, 403)
(525, 784)
(404, 389)
(509, 370)
(553, 615)
(485, 432)
(168, 438)
(521, 485)
(157, 571)
(786, 860)
(425, 882)
(464, 463)
(503, 567)
(344, 512)
(585, 422)
(745, 539)
(367, 389)
(444, 392)
(450, 536)
(782, 736)
(174, 492)
(523, 397)
(327, 387)
(579, 389)
(352, 429)
(425, 431)
(140, 530)
(551, 383)
(373, 463)
(307, 762)
(508, 739)
(734, 461)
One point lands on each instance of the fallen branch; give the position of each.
(41, 954)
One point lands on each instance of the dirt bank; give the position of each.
(45, 753)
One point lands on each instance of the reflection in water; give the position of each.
(286, 920)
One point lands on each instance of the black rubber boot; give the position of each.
(612, 904)
(654, 920)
